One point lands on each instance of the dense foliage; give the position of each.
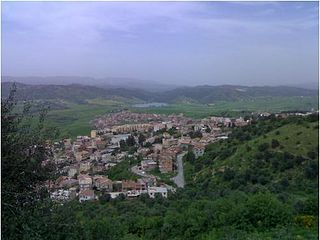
(22, 173)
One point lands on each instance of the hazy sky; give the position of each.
(248, 43)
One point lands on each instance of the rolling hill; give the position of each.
(198, 94)
(73, 92)
(211, 94)
(277, 155)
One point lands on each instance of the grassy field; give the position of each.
(269, 104)
(75, 120)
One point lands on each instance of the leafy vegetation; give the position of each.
(23, 172)
(122, 170)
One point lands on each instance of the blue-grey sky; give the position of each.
(247, 43)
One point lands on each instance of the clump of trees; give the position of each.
(26, 163)
(195, 134)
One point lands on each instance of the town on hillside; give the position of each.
(154, 143)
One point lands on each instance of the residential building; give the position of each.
(152, 191)
(93, 134)
(85, 166)
(165, 163)
(148, 164)
(103, 183)
(86, 195)
(129, 185)
(85, 182)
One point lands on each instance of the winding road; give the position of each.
(179, 179)
(136, 171)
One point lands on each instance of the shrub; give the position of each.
(299, 159)
(307, 207)
(229, 174)
(275, 143)
(312, 170)
(306, 221)
(284, 182)
(263, 146)
(312, 155)
(265, 211)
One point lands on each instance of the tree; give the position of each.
(130, 141)
(106, 197)
(275, 143)
(148, 145)
(264, 211)
(123, 145)
(263, 147)
(190, 157)
(25, 161)
(312, 170)
(312, 155)
(196, 134)
(141, 139)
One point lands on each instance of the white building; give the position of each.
(63, 195)
(115, 140)
(153, 190)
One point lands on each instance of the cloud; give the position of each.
(153, 39)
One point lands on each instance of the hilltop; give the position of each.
(198, 94)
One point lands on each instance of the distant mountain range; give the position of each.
(129, 83)
(198, 94)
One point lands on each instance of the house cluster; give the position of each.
(86, 188)
(154, 139)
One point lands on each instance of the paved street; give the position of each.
(179, 179)
(135, 170)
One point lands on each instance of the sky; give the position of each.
(182, 43)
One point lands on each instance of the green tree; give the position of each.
(190, 157)
(141, 139)
(275, 143)
(264, 211)
(123, 145)
(25, 162)
(130, 141)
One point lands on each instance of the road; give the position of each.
(135, 170)
(179, 179)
